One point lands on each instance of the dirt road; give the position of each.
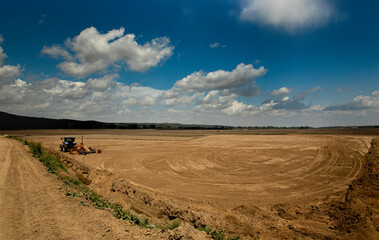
(33, 205)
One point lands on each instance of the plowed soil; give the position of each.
(284, 185)
(33, 206)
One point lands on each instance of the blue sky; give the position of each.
(248, 62)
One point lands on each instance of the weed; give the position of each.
(172, 225)
(35, 149)
(97, 202)
(73, 181)
(119, 213)
(83, 203)
(217, 234)
(205, 229)
(73, 194)
(168, 225)
(51, 163)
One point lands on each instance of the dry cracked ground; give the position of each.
(254, 184)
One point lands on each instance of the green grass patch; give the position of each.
(119, 213)
(35, 149)
(168, 225)
(73, 181)
(51, 162)
(218, 234)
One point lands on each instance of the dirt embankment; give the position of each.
(348, 214)
(356, 216)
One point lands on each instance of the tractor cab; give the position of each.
(67, 144)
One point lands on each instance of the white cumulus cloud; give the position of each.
(220, 79)
(56, 51)
(101, 84)
(8, 73)
(236, 108)
(281, 91)
(290, 15)
(359, 103)
(92, 52)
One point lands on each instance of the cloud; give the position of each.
(92, 52)
(8, 73)
(220, 79)
(359, 103)
(97, 98)
(290, 15)
(221, 103)
(2, 54)
(215, 101)
(43, 17)
(181, 100)
(279, 101)
(248, 91)
(216, 91)
(237, 108)
(281, 91)
(216, 45)
(101, 84)
(56, 51)
(107, 99)
(70, 90)
(213, 98)
(12, 93)
(295, 102)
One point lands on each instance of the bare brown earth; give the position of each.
(33, 206)
(285, 185)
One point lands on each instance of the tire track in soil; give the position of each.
(33, 205)
(243, 181)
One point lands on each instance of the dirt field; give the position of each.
(279, 185)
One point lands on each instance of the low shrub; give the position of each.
(119, 213)
(35, 149)
(50, 162)
(217, 234)
(72, 180)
